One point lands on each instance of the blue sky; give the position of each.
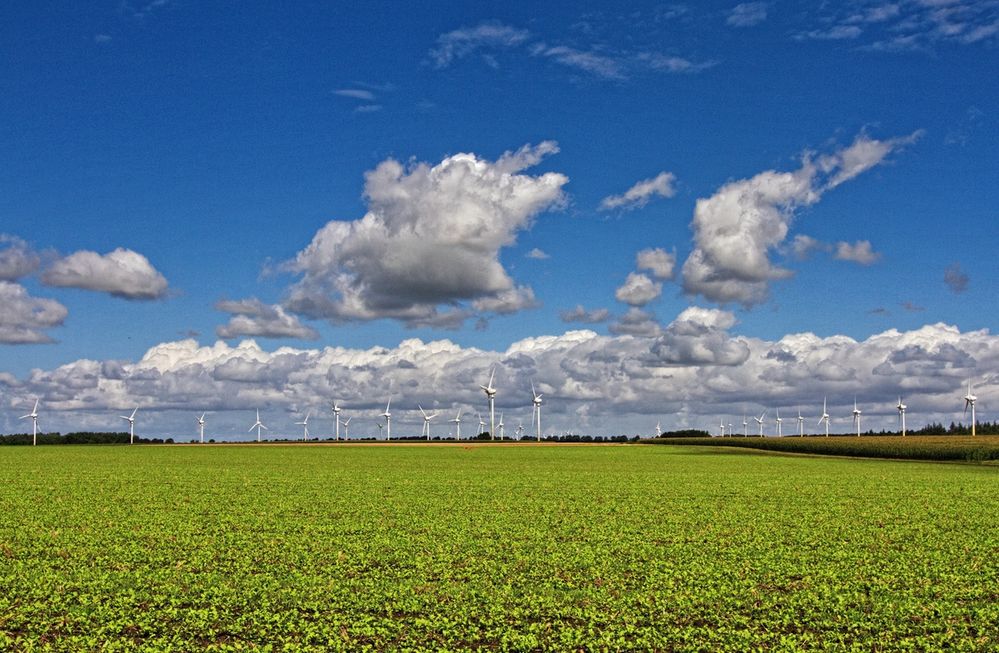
(212, 144)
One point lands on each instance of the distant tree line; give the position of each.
(80, 437)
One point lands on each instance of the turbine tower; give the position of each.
(426, 421)
(801, 425)
(825, 416)
(745, 426)
(388, 419)
(779, 422)
(131, 425)
(482, 425)
(201, 425)
(759, 420)
(457, 424)
(305, 426)
(901, 414)
(536, 417)
(257, 425)
(500, 426)
(856, 416)
(346, 427)
(34, 423)
(969, 400)
(336, 418)
(491, 396)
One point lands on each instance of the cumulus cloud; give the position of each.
(686, 371)
(431, 236)
(657, 261)
(580, 314)
(736, 229)
(17, 259)
(955, 278)
(121, 273)
(802, 246)
(638, 290)
(639, 195)
(462, 42)
(636, 322)
(24, 319)
(747, 14)
(251, 317)
(537, 254)
(860, 252)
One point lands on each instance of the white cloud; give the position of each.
(23, 318)
(860, 252)
(251, 317)
(736, 228)
(466, 40)
(431, 237)
(639, 195)
(698, 336)
(802, 246)
(594, 63)
(580, 314)
(356, 93)
(657, 261)
(638, 290)
(747, 14)
(121, 273)
(636, 322)
(537, 254)
(835, 33)
(673, 64)
(17, 259)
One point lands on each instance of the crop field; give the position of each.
(981, 448)
(522, 547)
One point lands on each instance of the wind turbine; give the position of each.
(305, 426)
(346, 427)
(500, 426)
(380, 427)
(520, 431)
(457, 424)
(482, 425)
(659, 429)
(759, 420)
(131, 425)
(801, 425)
(491, 396)
(537, 409)
(730, 429)
(201, 425)
(779, 422)
(257, 425)
(34, 423)
(336, 418)
(388, 419)
(825, 416)
(426, 421)
(745, 426)
(856, 416)
(969, 400)
(721, 426)
(901, 414)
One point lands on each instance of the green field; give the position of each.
(515, 547)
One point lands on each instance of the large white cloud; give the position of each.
(431, 238)
(23, 318)
(121, 273)
(638, 289)
(657, 261)
(690, 373)
(737, 228)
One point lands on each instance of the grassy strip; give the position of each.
(943, 447)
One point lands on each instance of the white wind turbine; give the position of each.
(856, 416)
(380, 427)
(257, 425)
(969, 400)
(721, 427)
(536, 417)
(34, 423)
(659, 429)
(426, 421)
(201, 426)
(457, 424)
(336, 418)
(520, 431)
(759, 420)
(730, 429)
(745, 426)
(901, 414)
(482, 425)
(305, 426)
(131, 425)
(491, 396)
(388, 419)
(779, 422)
(346, 427)
(825, 416)
(801, 425)
(500, 427)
